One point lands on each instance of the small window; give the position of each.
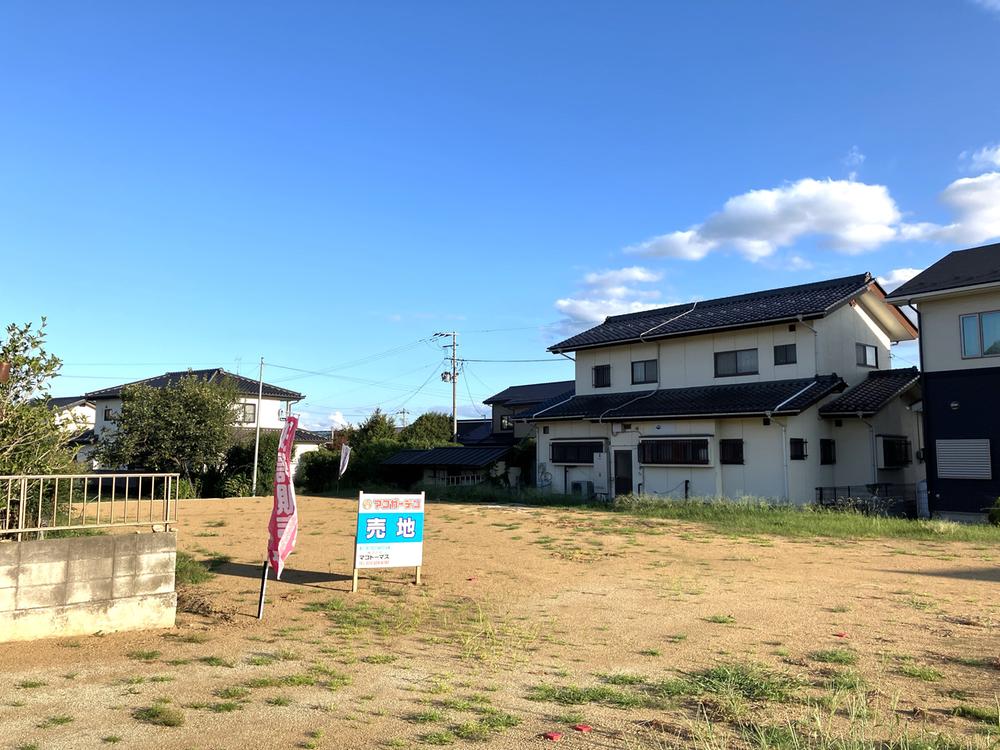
(784, 354)
(602, 376)
(246, 413)
(895, 453)
(577, 453)
(827, 451)
(731, 451)
(644, 372)
(686, 452)
(739, 362)
(545, 430)
(109, 414)
(506, 422)
(981, 334)
(797, 449)
(867, 355)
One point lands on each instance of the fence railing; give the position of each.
(40, 503)
(880, 498)
(464, 480)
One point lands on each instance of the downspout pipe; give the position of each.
(815, 333)
(874, 446)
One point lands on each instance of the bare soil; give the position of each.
(517, 603)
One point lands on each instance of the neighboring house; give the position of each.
(780, 394)
(486, 444)
(275, 403)
(76, 414)
(958, 305)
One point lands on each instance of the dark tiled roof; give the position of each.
(244, 386)
(978, 265)
(771, 306)
(533, 393)
(475, 457)
(61, 402)
(87, 437)
(301, 435)
(472, 431)
(737, 399)
(871, 394)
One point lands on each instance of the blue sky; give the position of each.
(317, 183)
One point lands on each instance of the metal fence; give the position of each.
(39, 503)
(881, 499)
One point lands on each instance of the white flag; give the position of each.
(345, 457)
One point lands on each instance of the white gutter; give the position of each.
(659, 325)
(918, 296)
(791, 398)
(533, 416)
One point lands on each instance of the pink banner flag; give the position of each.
(284, 525)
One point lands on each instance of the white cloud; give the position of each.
(986, 158)
(897, 277)
(337, 419)
(975, 202)
(798, 263)
(853, 161)
(609, 292)
(993, 5)
(852, 217)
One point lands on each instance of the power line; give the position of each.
(513, 360)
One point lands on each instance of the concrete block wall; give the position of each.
(80, 585)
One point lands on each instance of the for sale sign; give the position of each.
(390, 531)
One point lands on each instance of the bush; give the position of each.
(317, 470)
(237, 486)
(993, 514)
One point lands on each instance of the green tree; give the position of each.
(30, 440)
(379, 426)
(182, 427)
(428, 430)
(239, 460)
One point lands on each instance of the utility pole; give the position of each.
(453, 378)
(404, 413)
(256, 442)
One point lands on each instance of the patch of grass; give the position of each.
(438, 738)
(218, 524)
(55, 721)
(835, 656)
(159, 714)
(650, 652)
(622, 678)
(750, 518)
(195, 637)
(848, 680)
(111, 739)
(30, 684)
(143, 655)
(975, 713)
(431, 716)
(753, 682)
(189, 572)
(234, 692)
(473, 731)
(570, 717)
(378, 659)
(720, 619)
(604, 694)
(216, 661)
(919, 672)
(279, 700)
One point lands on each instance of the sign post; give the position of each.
(390, 533)
(284, 525)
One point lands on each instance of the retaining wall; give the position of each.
(81, 585)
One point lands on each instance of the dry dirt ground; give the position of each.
(531, 621)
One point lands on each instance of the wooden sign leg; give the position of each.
(354, 582)
(418, 575)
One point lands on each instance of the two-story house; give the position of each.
(958, 303)
(774, 394)
(275, 403)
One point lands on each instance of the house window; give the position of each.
(602, 376)
(545, 430)
(731, 451)
(827, 451)
(784, 354)
(644, 372)
(797, 449)
(739, 362)
(895, 453)
(246, 413)
(506, 422)
(575, 452)
(981, 334)
(674, 452)
(109, 414)
(867, 355)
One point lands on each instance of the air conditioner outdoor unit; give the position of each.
(582, 489)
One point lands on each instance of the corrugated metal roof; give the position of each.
(532, 393)
(472, 456)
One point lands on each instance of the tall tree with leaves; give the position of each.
(31, 442)
(428, 430)
(182, 427)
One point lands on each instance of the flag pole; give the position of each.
(263, 589)
(256, 442)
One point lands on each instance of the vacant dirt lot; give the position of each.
(654, 633)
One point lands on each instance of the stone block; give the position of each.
(90, 569)
(124, 565)
(9, 553)
(44, 550)
(155, 562)
(92, 548)
(41, 573)
(8, 576)
(8, 599)
(88, 591)
(154, 583)
(150, 543)
(125, 544)
(31, 597)
(122, 587)
(135, 613)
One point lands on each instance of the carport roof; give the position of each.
(476, 457)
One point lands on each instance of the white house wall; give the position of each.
(840, 332)
(940, 321)
(271, 413)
